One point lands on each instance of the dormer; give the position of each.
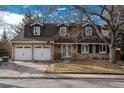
(37, 29)
(63, 28)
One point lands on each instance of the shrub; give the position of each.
(3, 52)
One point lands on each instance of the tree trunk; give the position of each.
(112, 55)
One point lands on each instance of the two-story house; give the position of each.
(52, 41)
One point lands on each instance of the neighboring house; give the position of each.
(53, 42)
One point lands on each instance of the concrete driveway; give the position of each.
(21, 68)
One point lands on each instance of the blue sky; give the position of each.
(15, 13)
(19, 9)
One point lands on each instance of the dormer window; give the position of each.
(88, 31)
(62, 31)
(36, 31)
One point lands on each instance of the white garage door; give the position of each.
(23, 53)
(42, 53)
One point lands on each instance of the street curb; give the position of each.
(55, 78)
(65, 76)
(85, 73)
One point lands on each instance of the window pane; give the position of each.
(36, 30)
(88, 31)
(86, 48)
(104, 48)
(19, 47)
(62, 30)
(100, 48)
(64, 50)
(69, 50)
(82, 48)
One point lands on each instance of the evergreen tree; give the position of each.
(4, 36)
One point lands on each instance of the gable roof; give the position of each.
(63, 24)
(36, 23)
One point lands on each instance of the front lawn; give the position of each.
(94, 66)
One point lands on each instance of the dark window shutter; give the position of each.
(84, 32)
(79, 48)
(107, 49)
(90, 48)
(97, 48)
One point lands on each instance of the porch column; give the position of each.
(12, 51)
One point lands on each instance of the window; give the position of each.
(62, 31)
(85, 48)
(19, 47)
(27, 47)
(88, 31)
(37, 31)
(102, 49)
(38, 47)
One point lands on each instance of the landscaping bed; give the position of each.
(84, 67)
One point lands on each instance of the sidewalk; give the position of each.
(62, 76)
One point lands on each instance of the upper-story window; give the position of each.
(36, 31)
(62, 31)
(88, 31)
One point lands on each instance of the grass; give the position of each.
(94, 66)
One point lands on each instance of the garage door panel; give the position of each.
(42, 54)
(23, 53)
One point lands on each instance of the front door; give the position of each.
(66, 51)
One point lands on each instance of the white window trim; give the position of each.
(38, 32)
(91, 32)
(103, 52)
(84, 52)
(62, 51)
(64, 32)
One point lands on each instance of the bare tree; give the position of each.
(112, 20)
(42, 13)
